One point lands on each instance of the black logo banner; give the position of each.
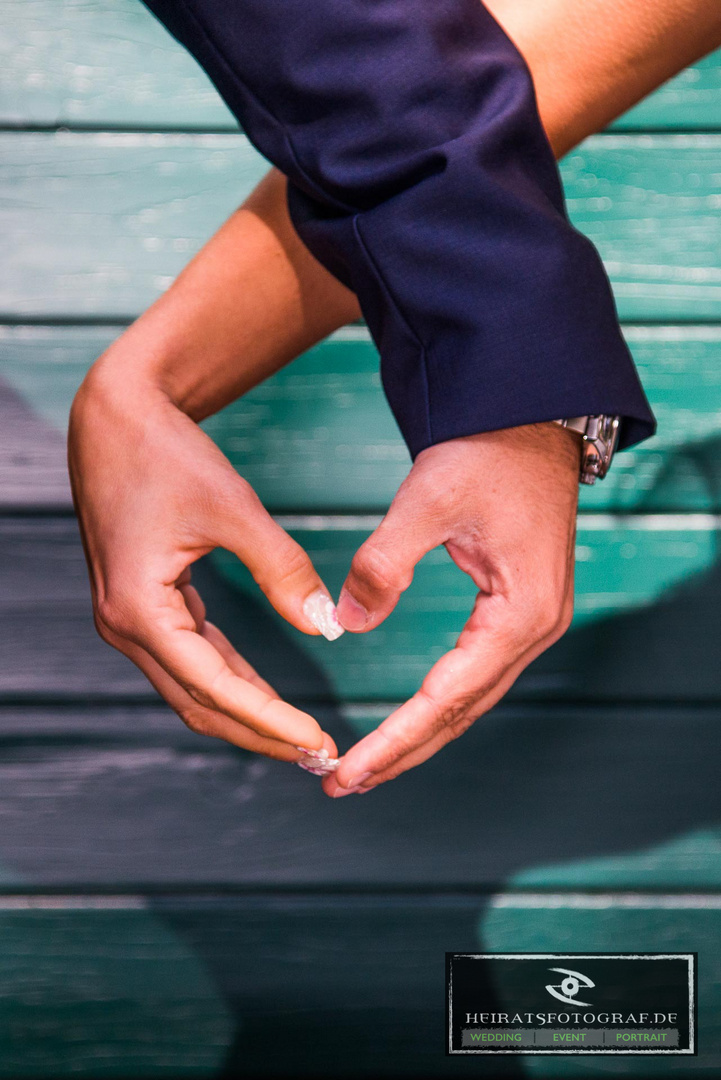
(572, 1003)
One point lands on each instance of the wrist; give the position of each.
(113, 393)
(144, 366)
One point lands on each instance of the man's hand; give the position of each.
(504, 506)
(153, 494)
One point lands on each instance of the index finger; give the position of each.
(168, 632)
(462, 685)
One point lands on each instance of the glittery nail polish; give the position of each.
(321, 611)
(317, 761)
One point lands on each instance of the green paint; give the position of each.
(106, 993)
(101, 224)
(98, 224)
(690, 861)
(70, 62)
(110, 62)
(690, 101)
(651, 205)
(319, 436)
(621, 566)
(554, 924)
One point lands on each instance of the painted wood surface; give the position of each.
(114, 797)
(242, 986)
(647, 625)
(70, 62)
(319, 436)
(215, 904)
(102, 989)
(33, 467)
(689, 102)
(98, 225)
(651, 205)
(614, 922)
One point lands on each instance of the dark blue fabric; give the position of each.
(420, 176)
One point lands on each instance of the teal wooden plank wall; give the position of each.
(171, 906)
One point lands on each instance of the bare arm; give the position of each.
(254, 298)
(592, 60)
(153, 493)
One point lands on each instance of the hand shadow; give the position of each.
(354, 985)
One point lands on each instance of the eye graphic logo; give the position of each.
(566, 991)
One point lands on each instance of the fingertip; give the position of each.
(334, 790)
(281, 720)
(329, 745)
(312, 738)
(322, 614)
(352, 615)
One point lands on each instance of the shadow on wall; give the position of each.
(356, 986)
(528, 787)
(666, 651)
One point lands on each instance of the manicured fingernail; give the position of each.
(351, 614)
(320, 755)
(321, 611)
(312, 769)
(360, 779)
(317, 761)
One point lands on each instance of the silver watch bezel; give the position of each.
(600, 438)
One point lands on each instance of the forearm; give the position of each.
(250, 301)
(254, 297)
(592, 60)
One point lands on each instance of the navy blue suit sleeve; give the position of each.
(421, 177)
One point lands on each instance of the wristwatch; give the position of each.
(600, 436)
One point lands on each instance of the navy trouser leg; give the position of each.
(421, 177)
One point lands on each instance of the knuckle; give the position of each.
(293, 562)
(458, 725)
(401, 744)
(555, 617)
(102, 627)
(113, 617)
(376, 569)
(242, 488)
(398, 744)
(232, 491)
(196, 719)
(446, 714)
(287, 563)
(211, 695)
(565, 619)
(203, 697)
(547, 616)
(547, 621)
(436, 493)
(453, 718)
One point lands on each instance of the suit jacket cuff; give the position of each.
(420, 175)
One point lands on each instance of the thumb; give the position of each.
(383, 566)
(279, 565)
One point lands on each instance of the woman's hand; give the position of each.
(504, 505)
(153, 494)
(144, 474)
